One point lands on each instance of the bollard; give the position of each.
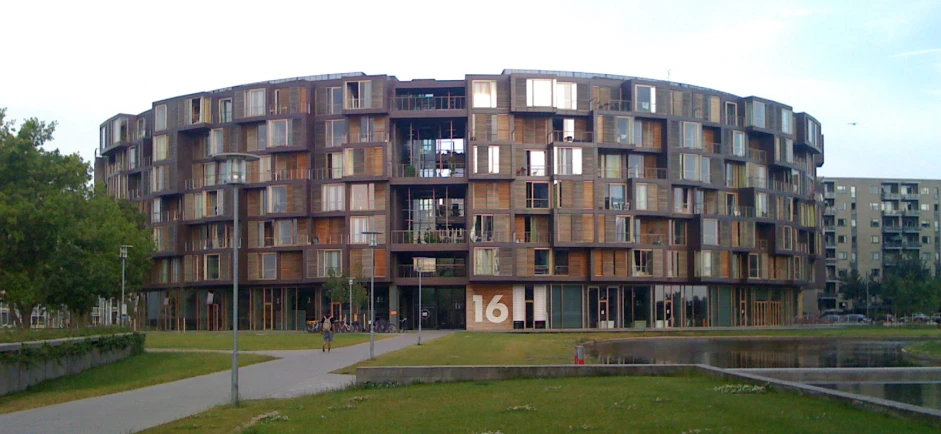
(580, 355)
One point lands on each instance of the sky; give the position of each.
(873, 63)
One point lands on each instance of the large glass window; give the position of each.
(541, 261)
(334, 100)
(786, 117)
(690, 166)
(483, 228)
(616, 196)
(333, 197)
(536, 161)
(330, 263)
(623, 132)
(336, 131)
(485, 262)
(566, 96)
(641, 262)
(485, 94)
(285, 230)
(277, 199)
(568, 161)
(710, 232)
(537, 195)
(160, 117)
(161, 148)
(738, 143)
(358, 225)
(279, 133)
(225, 110)
(539, 92)
(622, 228)
(212, 267)
(362, 197)
(692, 135)
(493, 159)
(216, 142)
(640, 196)
(646, 99)
(269, 266)
(758, 114)
(255, 103)
(610, 166)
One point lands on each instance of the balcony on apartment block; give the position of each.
(436, 274)
(437, 240)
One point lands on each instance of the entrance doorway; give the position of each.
(443, 308)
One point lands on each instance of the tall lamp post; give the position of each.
(122, 309)
(349, 318)
(234, 173)
(419, 264)
(372, 292)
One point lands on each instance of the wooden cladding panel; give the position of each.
(503, 92)
(360, 262)
(490, 127)
(253, 263)
(588, 228)
(297, 198)
(289, 266)
(525, 262)
(578, 263)
(656, 269)
(375, 161)
(488, 292)
(491, 195)
(564, 227)
(533, 130)
(715, 109)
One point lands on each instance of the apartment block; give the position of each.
(526, 199)
(869, 223)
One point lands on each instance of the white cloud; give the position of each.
(918, 52)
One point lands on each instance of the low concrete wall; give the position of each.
(441, 374)
(849, 375)
(16, 378)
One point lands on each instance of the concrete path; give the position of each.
(296, 373)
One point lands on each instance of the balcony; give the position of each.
(421, 103)
(614, 105)
(531, 237)
(490, 237)
(911, 229)
(431, 171)
(829, 228)
(911, 196)
(829, 211)
(329, 239)
(735, 121)
(829, 195)
(368, 137)
(570, 136)
(255, 177)
(892, 229)
(912, 212)
(785, 187)
(886, 195)
(205, 181)
(533, 170)
(166, 216)
(738, 211)
(712, 148)
(757, 155)
(443, 271)
(901, 245)
(651, 239)
(537, 203)
(430, 237)
(208, 244)
(646, 173)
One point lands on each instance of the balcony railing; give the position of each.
(712, 148)
(490, 236)
(166, 216)
(911, 196)
(655, 239)
(426, 103)
(891, 196)
(537, 203)
(529, 170)
(617, 105)
(738, 211)
(617, 203)
(444, 236)
(571, 136)
(446, 170)
(647, 173)
(322, 173)
(408, 271)
(757, 155)
(531, 237)
(205, 181)
(756, 182)
(737, 121)
(208, 244)
(278, 175)
(493, 136)
(327, 239)
(785, 187)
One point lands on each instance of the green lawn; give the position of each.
(601, 404)
(469, 348)
(253, 340)
(17, 335)
(135, 372)
(927, 349)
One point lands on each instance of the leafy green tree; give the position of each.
(337, 287)
(854, 287)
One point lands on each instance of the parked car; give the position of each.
(831, 318)
(855, 318)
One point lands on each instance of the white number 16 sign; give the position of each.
(496, 312)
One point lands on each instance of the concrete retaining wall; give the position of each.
(440, 374)
(849, 375)
(16, 378)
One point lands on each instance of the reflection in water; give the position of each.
(921, 394)
(756, 353)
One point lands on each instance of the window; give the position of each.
(710, 232)
(925, 224)
(277, 199)
(493, 159)
(695, 167)
(692, 135)
(925, 207)
(566, 96)
(216, 142)
(160, 117)
(646, 99)
(874, 206)
(841, 189)
(754, 266)
(874, 223)
(679, 232)
(841, 222)
(757, 114)
(161, 148)
(541, 261)
(132, 157)
(731, 113)
(852, 192)
(539, 92)
(362, 197)
(536, 162)
(537, 195)
(788, 235)
(103, 138)
(485, 94)
(483, 228)
(212, 267)
(616, 197)
(705, 258)
(284, 232)
(841, 255)
(786, 117)
(330, 263)
(225, 110)
(925, 190)
(255, 103)
(874, 189)
(336, 131)
(333, 197)
(278, 133)
(158, 178)
(738, 143)
(841, 239)
(811, 132)
(641, 262)
(610, 166)
(761, 205)
(876, 256)
(358, 225)
(623, 132)
(334, 100)
(640, 196)
(269, 266)
(485, 262)
(568, 161)
(784, 150)
(925, 240)
(622, 229)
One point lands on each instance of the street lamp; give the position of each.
(234, 173)
(372, 291)
(123, 309)
(349, 318)
(419, 264)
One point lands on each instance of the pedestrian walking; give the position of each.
(326, 330)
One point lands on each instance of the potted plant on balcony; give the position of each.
(410, 171)
(431, 237)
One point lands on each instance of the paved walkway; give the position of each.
(296, 373)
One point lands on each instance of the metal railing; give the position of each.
(785, 187)
(278, 175)
(442, 236)
(655, 239)
(532, 237)
(250, 111)
(326, 239)
(616, 105)
(757, 155)
(430, 170)
(712, 148)
(208, 244)
(423, 103)
(323, 174)
(647, 173)
(737, 121)
(408, 271)
(532, 170)
(756, 182)
(492, 136)
(617, 203)
(490, 236)
(571, 136)
(537, 203)
(333, 205)
(165, 216)
(366, 137)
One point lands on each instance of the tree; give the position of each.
(911, 287)
(337, 288)
(854, 287)
(60, 238)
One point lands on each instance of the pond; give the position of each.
(731, 353)
(921, 394)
